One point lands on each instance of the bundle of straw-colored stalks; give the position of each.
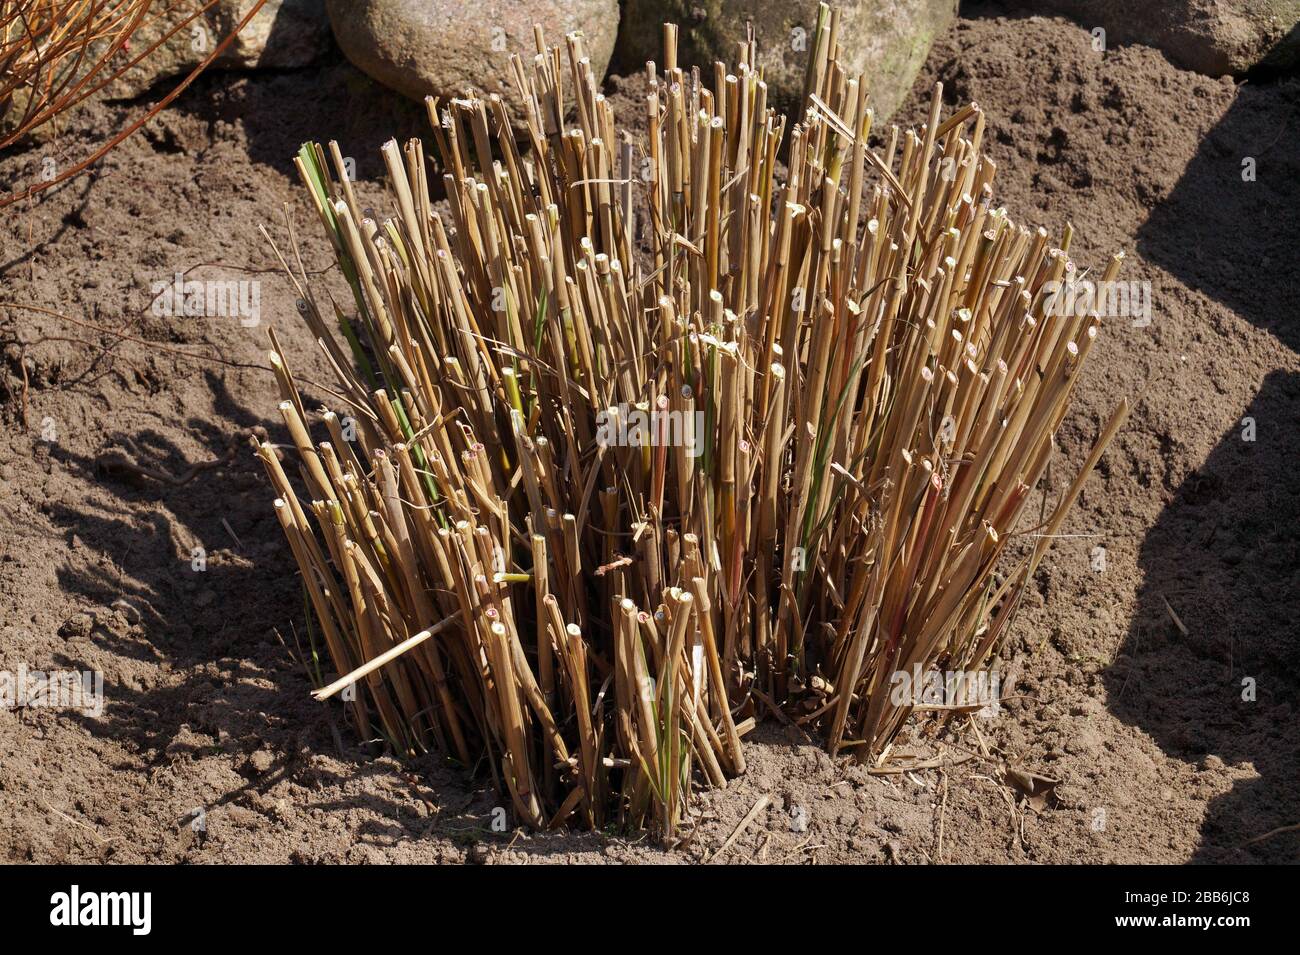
(650, 442)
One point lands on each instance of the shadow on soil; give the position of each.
(1224, 555)
(344, 105)
(1232, 238)
(1225, 551)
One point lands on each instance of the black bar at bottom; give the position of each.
(134, 905)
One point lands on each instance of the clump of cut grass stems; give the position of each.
(866, 340)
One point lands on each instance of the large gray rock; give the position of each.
(447, 47)
(1214, 37)
(283, 34)
(887, 40)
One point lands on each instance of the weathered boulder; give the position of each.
(446, 47)
(175, 56)
(284, 34)
(1215, 37)
(887, 40)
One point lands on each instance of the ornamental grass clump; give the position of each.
(652, 439)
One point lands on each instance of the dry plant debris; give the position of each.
(56, 53)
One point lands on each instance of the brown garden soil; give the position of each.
(118, 457)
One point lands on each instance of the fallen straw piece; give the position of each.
(759, 805)
(343, 682)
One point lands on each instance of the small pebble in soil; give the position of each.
(262, 760)
(127, 610)
(78, 625)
